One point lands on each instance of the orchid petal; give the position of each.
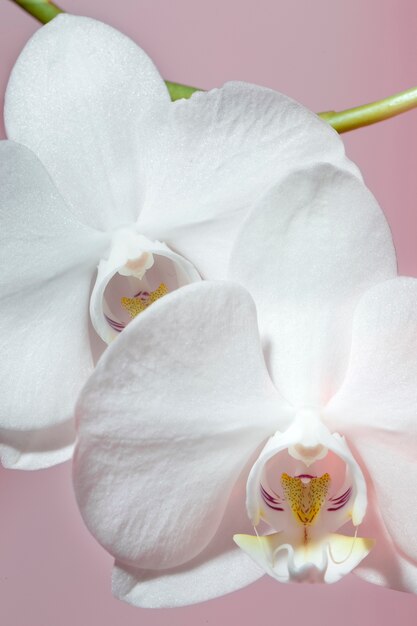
(47, 263)
(223, 150)
(202, 579)
(82, 96)
(388, 569)
(377, 404)
(158, 455)
(386, 565)
(219, 569)
(391, 465)
(380, 386)
(306, 254)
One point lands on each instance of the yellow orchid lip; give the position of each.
(301, 499)
(324, 560)
(300, 545)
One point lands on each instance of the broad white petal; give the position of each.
(388, 570)
(47, 263)
(223, 150)
(82, 96)
(306, 254)
(390, 462)
(380, 386)
(377, 405)
(386, 565)
(324, 561)
(199, 580)
(219, 569)
(172, 413)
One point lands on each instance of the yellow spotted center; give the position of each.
(134, 306)
(305, 498)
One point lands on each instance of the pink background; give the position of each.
(328, 54)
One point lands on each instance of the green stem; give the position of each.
(371, 113)
(43, 10)
(342, 121)
(178, 91)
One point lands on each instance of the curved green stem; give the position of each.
(43, 10)
(371, 113)
(178, 91)
(342, 121)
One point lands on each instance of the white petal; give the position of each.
(397, 573)
(82, 96)
(389, 569)
(198, 581)
(47, 263)
(323, 561)
(223, 150)
(377, 405)
(221, 568)
(173, 411)
(385, 565)
(306, 254)
(380, 386)
(391, 466)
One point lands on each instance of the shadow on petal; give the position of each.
(219, 569)
(37, 449)
(386, 565)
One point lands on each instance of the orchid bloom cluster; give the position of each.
(293, 382)
(112, 196)
(254, 411)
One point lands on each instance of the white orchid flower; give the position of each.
(103, 170)
(313, 415)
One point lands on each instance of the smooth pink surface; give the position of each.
(328, 55)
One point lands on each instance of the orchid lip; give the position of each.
(303, 507)
(136, 273)
(276, 502)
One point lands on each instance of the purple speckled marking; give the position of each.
(270, 500)
(117, 326)
(143, 295)
(340, 501)
(343, 496)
